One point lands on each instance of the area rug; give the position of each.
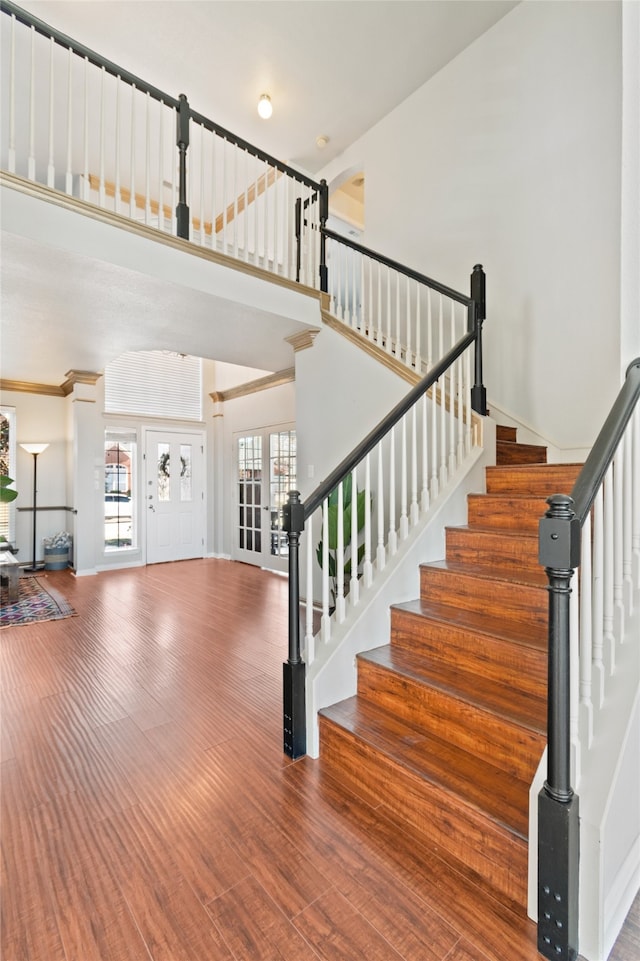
(36, 602)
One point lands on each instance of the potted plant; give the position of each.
(346, 527)
(7, 495)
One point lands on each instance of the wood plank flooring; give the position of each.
(148, 813)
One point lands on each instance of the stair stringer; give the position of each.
(332, 676)
(608, 788)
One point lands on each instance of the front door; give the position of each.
(174, 496)
(265, 473)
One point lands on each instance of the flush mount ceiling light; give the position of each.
(322, 141)
(265, 107)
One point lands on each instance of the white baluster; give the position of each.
(132, 161)
(11, 156)
(31, 162)
(468, 438)
(378, 319)
(435, 482)
(597, 629)
(174, 184)
(586, 650)
(68, 179)
(364, 303)
(404, 518)
(418, 358)
(354, 290)
(256, 212)
(424, 495)
(160, 190)
(627, 521)
(339, 598)
(325, 624)
(202, 232)
(574, 680)
(408, 359)
(609, 653)
(101, 184)
(116, 144)
(414, 510)
(380, 551)
(310, 652)
(429, 332)
(245, 232)
(452, 401)
(354, 584)
(367, 566)
(635, 493)
(338, 260)
(85, 166)
(460, 450)
(618, 544)
(51, 170)
(235, 202)
(392, 538)
(388, 343)
(223, 198)
(398, 345)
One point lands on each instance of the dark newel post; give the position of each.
(298, 237)
(477, 314)
(558, 806)
(293, 671)
(324, 216)
(182, 141)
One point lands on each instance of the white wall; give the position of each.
(511, 156)
(341, 394)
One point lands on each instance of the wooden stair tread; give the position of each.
(504, 702)
(470, 780)
(511, 452)
(528, 634)
(524, 577)
(542, 479)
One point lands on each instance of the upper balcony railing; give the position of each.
(80, 124)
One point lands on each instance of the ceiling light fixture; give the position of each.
(322, 141)
(265, 107)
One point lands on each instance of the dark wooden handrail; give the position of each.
(602, 452)
(6, 6)
(400, 268)
(329, 484)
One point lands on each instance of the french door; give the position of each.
(265, 465)
(174, 495)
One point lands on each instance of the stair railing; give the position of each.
(407, 314)
(355, 520)
(596, 529)
(80, 124)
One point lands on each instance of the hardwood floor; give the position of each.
(149, 813)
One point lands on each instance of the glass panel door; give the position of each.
(266, 472)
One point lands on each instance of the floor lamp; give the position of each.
(34, 449)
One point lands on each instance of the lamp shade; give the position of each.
(34, 448)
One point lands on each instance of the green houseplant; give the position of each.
(333, 512)
(7, 494)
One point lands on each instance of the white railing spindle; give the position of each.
(11, 156)
(354, 584)
(51, 171)
(367, 566)
(31, 162)
(585, 637)
(68, 179)
(339, 578)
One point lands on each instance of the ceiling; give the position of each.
(333, 68)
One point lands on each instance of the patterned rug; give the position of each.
(36, 602)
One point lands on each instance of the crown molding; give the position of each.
(303, 339)
(253, 386)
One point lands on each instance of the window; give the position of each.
(120, 527)
(155, 383)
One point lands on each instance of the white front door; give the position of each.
(265, 473)
(174, 496)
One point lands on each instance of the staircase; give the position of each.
(448, 724)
